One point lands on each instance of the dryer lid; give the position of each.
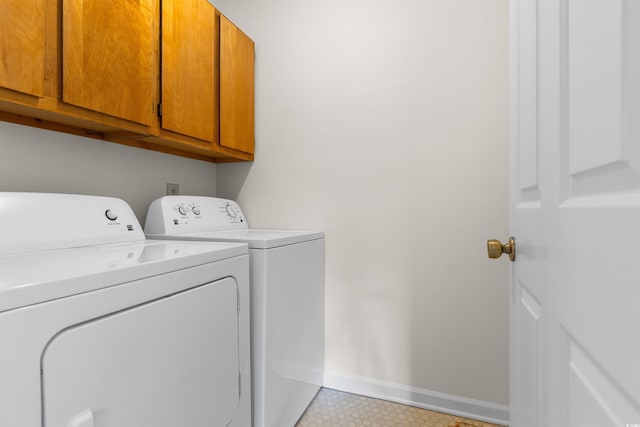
(36, 277)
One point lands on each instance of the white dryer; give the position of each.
(100, 327)
(287, 297)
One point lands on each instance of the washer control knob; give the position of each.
(182, 210)
(111, 216)
(231, 212)
(196, 211)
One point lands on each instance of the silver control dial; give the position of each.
(111, 216)
(231, 212)
(182, 210)
(195, 210)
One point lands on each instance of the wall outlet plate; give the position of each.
(173, 189)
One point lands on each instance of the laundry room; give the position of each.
(385, 125)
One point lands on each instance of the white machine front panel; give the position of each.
(41, 221)
(172, 362)
(288, 330)
(190, 214)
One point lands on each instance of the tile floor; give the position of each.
(332, 408)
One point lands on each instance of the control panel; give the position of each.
(78, 220)
(190, 214)
(189, 208)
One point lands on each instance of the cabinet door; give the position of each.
(237, 58)
(189, 106)
(108, 57)
(22, 45)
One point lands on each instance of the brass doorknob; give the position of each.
(496, 248)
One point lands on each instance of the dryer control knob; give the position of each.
(196, 211)
(182, 210)
(111, 216)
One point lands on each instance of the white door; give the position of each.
(172, 362)
(575, 213)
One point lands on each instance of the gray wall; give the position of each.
(46, 161)
(385, 123)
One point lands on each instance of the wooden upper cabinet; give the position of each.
(237, 60)
(188, 76)
(22, 41)
(108, 57)
(100, 68)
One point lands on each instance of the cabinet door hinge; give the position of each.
(159, 110)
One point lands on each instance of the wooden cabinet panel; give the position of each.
(108, 56)
(22, 40)
(99, 68)
(237, 58)
(189, 33)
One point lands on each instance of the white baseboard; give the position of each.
(422, 398)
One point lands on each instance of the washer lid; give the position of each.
(256, 238)
(32, 278)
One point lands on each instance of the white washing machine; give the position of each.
(287, 297)
(100, 327)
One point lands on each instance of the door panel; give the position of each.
(528, 342)
(592, 56)
(599, 163)
(107, 57)
(596, 292)
(237, 60)
(578, 254)
(593, 399)
(22, 46)
(526, 193)
(601, 98)
(171, 362)
(189, 99)
(527, 101)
